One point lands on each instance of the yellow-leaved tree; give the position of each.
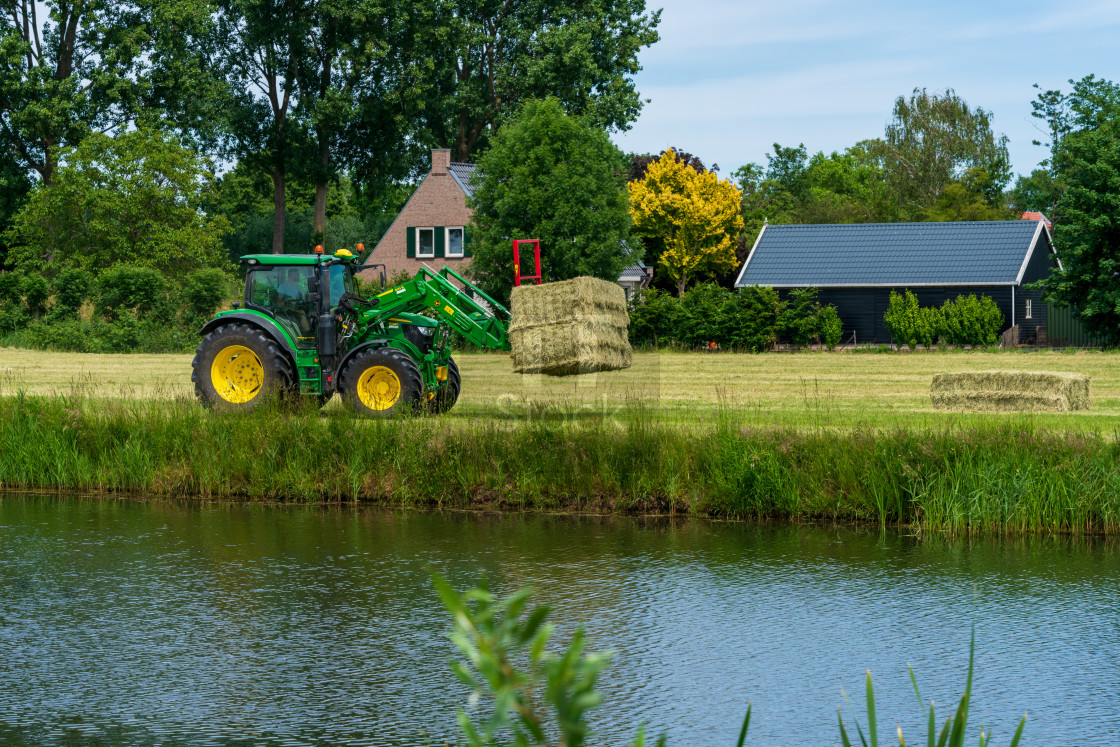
(695, 213)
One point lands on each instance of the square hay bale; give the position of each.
(570, 327)
(1010, 391)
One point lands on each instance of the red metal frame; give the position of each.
(517, 276)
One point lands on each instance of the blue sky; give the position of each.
(728, 78)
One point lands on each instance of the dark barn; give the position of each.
(855, 266)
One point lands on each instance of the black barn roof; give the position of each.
(893, 254)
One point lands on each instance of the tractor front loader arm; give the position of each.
(484, 324)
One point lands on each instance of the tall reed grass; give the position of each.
(1000, 478)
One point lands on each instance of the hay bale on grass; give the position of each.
(570, 327)
(1016, 391)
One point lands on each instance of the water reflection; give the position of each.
(154, 623)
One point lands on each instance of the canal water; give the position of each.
(137, 623)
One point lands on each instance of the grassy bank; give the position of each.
(808, 389)
(1004, 477)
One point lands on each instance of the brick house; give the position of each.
(432, 227)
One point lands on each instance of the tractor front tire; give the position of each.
(448, 393)
(381, 382)
(238, 367)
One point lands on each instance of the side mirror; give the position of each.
(383, 283)
(313, 284)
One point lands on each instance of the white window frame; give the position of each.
(1028, 316)
(419, 254)
(447, 241)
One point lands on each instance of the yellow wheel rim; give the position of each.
(237, 374)
(379, 388)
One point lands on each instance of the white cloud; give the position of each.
(730, 78)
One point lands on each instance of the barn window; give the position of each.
(1028, 308)
(425, 242)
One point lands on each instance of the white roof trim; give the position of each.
(1030, 253)
(739, 279)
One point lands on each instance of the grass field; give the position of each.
(803, 389)
(807, 436)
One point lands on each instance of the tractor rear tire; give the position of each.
(448, 394)
(238, 367)
(381, 382)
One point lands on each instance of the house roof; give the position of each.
(463, 174)
(635, 272)
(892, 254)
(1034, 215)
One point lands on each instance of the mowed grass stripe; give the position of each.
(809, 388)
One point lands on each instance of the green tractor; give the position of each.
(304, 330)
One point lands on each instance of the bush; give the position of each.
(752, 317)
(131, 288)
(128, 334)
(901, 318)
(799, 317)
(204, 291)
(69, 335)
(966, 320)
(10, 289)
(703, 316)
(930, 325)
(71, 289)
(35, 294)
(749, 319)
(655, 319)
(13, 316)
(971, 320)
(829, 326)
(911, 324)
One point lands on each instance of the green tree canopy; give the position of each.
(933, 140)
(966, 200)
(132, 199)
(694, 213)
(847, 187)
(69, 69)
(553, 177)
(500, 54)
(1089, 103)
(1087, 236)
(66, 70)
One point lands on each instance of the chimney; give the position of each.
(441, 159)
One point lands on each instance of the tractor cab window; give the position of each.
(283, 293)
(341, 281)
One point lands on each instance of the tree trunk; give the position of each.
(47, 171)
(319, 227)
(278, 206)
(681, 283)
(462, 152)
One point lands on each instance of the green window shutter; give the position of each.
(466, 241)
(410, 242)
(441, 239)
